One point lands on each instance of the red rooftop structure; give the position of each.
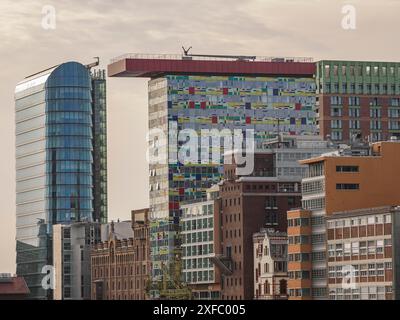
(153, 66)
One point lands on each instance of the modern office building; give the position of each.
(358, 98)
(188, 92)
(336, 182)
(60, 161)
(201, 240)
(270, 265)
(72, 245)
(121, 263)
(259, 200)
(363, 254)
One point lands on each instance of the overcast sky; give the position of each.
(105, 28)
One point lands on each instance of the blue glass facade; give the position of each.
(69, 144)
(55, 165)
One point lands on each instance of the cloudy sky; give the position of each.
(105, 28)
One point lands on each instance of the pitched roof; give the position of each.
(13, 286)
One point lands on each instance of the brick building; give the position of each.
(363, 254)
(121, 267)
(336, 182)
(260, 200)
(358, 98)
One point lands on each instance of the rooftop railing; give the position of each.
(211, 58)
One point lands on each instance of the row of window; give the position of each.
(69, 142)
(77, 93)
(193, 237)
(355, 101)
(199, 263)
(373, 219)
(356, 248)
(363, 293)
(198, 276)
(374, 112)
(198, 210)
(234, 201)
(360, 270)
(299, 239)
(198, 250)
(299, 257)
(359, 70)
(373, 124)
(197, 224)
(81, 178)
(131, 271)
(232, 234)
(316, 186)
(298, 222)
(233, 282)
(314, 204)
(337, 135)
(69, 130)
(361, 88)
(316, 169)
(69, 117)
(232, 217)
(125, 285)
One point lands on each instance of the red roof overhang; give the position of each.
(152, 68)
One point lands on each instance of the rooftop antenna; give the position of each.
(93, 64)
(186, 51)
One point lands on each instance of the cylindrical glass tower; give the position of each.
(69, 144)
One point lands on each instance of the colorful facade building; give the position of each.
(358, 98)
(270, 265)
(201, 240)
(268, 96)
(336, 182)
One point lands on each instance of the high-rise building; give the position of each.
(344, 180)
(358, 98)
(266, 95)
(60, 161)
